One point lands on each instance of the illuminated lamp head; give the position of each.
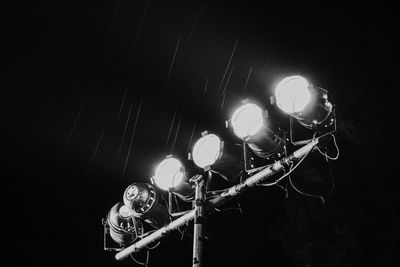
(170, 175)
(144, 201)
(210, 152)
(250, 125)
(124, 227)
(207, 150)
(303, 101)
(247, 120)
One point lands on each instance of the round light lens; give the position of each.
(169, 173)
(207, 150)
(247, 120)
(292, 94)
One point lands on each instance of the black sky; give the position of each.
(73, 69)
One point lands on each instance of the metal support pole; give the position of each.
(199, 221)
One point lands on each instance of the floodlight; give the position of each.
(249, 124)
(300, 99)
(292, 94)
(123, 226)
(210, 152)
(207, 150)
(144, 201)
(247, 120)
(170, 175)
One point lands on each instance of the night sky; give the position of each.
(94, 94)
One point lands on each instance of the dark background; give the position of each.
(73, 70)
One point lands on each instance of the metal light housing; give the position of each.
(211, 153)
(249, 123)
(303, 101)
(170, 175)
(122, 225)
(145, 202)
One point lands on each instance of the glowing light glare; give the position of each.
(292, 94)
(247, 120)
(169, 174)
(207, 150)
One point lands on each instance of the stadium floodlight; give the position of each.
(218, 201)
(303, 101)
(122, 226)
(211, 153)
(170, 175)
(207, 150)
(265, 149)
(249, 123)
(247, 120)
(144, 201)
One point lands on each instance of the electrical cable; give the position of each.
(142, 263)
(214, 193)
(183, 232)
(306, 194)
(176, 202)
(179, 213)
(326, 154)
(286, 174)
(239, 208)
(303, 142)
(291, 182)
(165, 201)
(227, 209)
(284, 189)
(153, 247)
